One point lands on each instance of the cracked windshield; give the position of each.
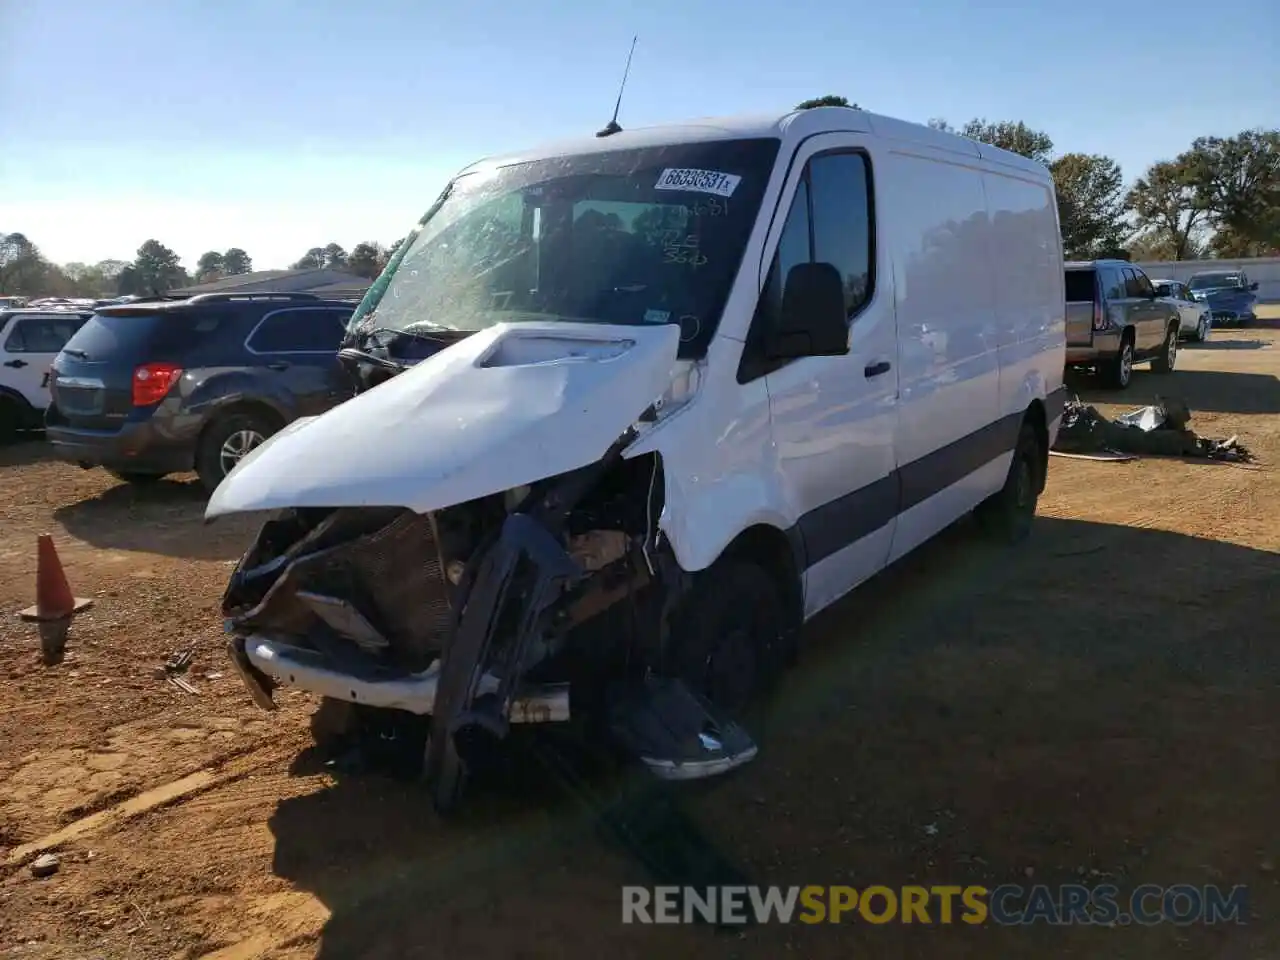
(613, 238)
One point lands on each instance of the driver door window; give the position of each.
(829, 222)
(1132, 288)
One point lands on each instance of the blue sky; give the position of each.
(277, 125)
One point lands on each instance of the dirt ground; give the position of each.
(1101, 703)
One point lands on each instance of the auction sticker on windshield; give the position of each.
(698, 181)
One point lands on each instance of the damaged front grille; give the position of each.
(375, 578)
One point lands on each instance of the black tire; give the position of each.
(728, 637)
(1167, 358)
(332, 721)
(212, 462)
(138, 478)
(11, 417)
(1007, 516)
(1118, 371)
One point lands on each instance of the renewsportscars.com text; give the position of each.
(1008, 905)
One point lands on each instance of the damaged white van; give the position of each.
(633, 409)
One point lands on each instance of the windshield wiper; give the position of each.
(386, 363)
(433, 337)
(75, 353)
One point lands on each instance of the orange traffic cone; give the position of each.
(55, 604)
(53, 593)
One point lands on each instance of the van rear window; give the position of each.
(1080, 286)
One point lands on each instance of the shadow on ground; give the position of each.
(1218, 345)
(1209, 391)
(1097, 705)
(27, 447)
(165, 517)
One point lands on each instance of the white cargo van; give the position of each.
(633, 409)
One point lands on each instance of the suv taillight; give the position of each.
(1098, 320)
(152, 381)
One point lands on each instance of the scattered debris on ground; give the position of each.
(175, 667)
(1160, 429)
(45, 865)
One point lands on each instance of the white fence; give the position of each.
(1265, 270)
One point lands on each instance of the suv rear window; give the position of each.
(132, 333)
(1080, 286)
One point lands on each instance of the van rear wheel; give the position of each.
(1007, 516)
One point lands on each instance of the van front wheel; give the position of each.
(727, 635)
(1007, 515)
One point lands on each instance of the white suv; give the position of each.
(29, 341)
(1196, 317)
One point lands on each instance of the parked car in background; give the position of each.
(29, 340)
(1115, 319)
(162, 386)
(1197, 318)
(1228, 293)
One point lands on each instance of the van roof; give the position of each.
(793, 126)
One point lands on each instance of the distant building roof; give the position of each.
(325, 283)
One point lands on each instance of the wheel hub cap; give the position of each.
(236, 447)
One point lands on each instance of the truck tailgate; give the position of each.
(1080, 323)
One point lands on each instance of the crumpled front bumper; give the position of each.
(290, 665)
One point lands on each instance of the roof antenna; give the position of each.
(613, 127)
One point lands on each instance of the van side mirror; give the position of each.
(813, 321)
(1254, 285)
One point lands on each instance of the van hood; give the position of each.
(509, 405)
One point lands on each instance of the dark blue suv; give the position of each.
(165, 386)
(1229, 295)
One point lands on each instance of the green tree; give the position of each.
(1091, 206)
(313, 259)
(1012, 135)
(236, 262)
(329, 257)
(366, 260)
(1237, 179)
(210, 266)
(335, 258)
(128, 283)
(830, 100)
(390, 252)
(157, 267)
(88, 280)
(22, 267)
(1167, 212)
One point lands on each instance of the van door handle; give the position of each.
(278, 365)
(875, 369)
(16, 364)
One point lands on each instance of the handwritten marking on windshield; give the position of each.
(712, 208)
(683, 250)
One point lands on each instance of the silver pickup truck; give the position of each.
(1115, 319)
